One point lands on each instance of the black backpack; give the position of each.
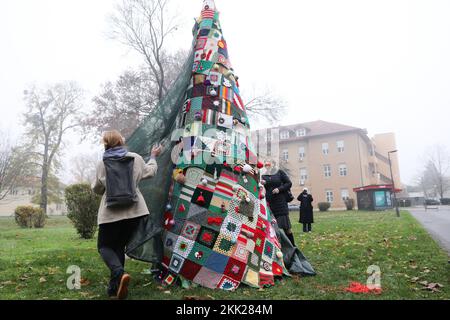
(120, 186)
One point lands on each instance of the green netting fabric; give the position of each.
(210, 223)
(146, 244)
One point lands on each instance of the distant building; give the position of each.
(330, 159)
(22, 196)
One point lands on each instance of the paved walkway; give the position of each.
(436, 222)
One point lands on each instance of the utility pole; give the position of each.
(393, 183)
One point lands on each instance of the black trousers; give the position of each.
(112, 239)
(307, 227)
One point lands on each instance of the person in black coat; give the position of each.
(306, 210)
(277, 183)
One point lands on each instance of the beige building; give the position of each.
(330, 159)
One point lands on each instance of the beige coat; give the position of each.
(141, 170)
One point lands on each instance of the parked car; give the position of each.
(432, 202)
(294, 207)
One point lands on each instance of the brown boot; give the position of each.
(122, 292)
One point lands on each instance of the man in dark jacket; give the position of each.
(306, 210)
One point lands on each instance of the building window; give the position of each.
(301, 152)
(303, 176)
(325, 149)
(343, 170)
(340, 146)
(330, 196)
(372, 170)
(327, 170)
(269, 137)
(284, 135)
(344, 194)
(300, 132)
(285, 155)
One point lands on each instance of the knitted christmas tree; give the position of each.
(218, 229)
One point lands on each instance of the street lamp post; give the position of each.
(393, 184)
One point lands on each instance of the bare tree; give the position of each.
(83, 167)
(423, 184)
(123, 105)
(50, 114)
(144, 25)
(14, 167)
(266, 105)
(439, 166)
(435, 176)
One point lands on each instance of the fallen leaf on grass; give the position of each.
(146, 284)
(42, 280)
(167, 292)
(433, 287)
(84, 282)
(53, 270)
(24, 278)
(415, 279)
(7, 283)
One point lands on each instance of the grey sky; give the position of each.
(379, 65)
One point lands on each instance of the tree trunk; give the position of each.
(44, 181)
(44, 188)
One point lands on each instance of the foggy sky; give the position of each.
(379, 65)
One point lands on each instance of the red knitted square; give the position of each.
(266, 279)
(235, 269)
(259, 241)
(190, 269)
(277, 269)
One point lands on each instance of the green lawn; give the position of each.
(33, 263)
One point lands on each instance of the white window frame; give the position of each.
(302, 153)
(329, 195)
(340, 146)
(327, 170)
(303, 175)
(345, 194)
(325, 148)
(284, 135)
(300, 132)
(285, 155)
(343, 170)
